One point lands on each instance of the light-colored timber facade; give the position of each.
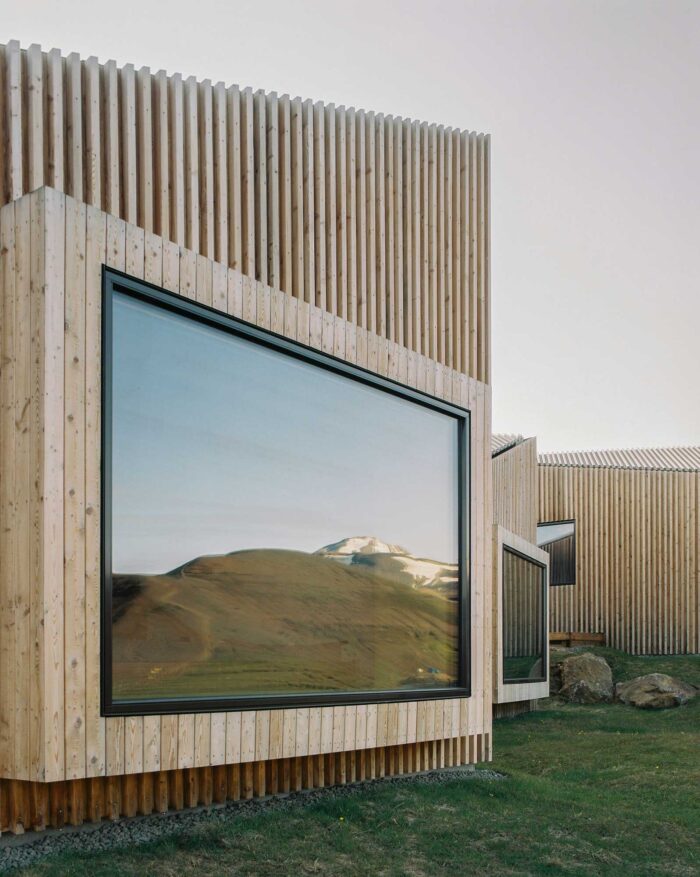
(515, 484)
(514, 472)
(358, 234)
(380, 220)
(637, 517)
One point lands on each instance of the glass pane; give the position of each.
(276, 528)
(558, 539)
(523, 629)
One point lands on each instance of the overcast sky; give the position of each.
(594, 112)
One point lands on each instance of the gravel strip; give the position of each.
(24, 850)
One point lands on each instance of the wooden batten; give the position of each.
(513, 710)
(381, 220)
(60, 760)
(637, 555)
(515, 489)
(31, 806)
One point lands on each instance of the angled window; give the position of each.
(524, 623)
(280, 527)
(558, 539)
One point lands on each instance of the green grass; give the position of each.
(591, 790)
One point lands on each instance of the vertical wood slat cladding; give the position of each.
(637, 555)
(34, 806)
(52, 249)
(513, 710)
(379, 220)
(515, 520)
(515, 489)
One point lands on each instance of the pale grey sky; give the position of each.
(593, 108)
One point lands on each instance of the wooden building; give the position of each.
(625, 568)
(636, 516)
(363, 237)
(520, 579)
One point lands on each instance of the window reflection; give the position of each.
(523, 619)
(277, 528)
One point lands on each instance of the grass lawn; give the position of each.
(590, 790)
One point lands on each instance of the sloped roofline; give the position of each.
(676, 459)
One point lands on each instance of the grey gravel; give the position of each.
(24, 850)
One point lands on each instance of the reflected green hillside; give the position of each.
(276, 621)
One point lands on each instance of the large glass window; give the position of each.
(524, 583)
(279, 526)
(558, 539)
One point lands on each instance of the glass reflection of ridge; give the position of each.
(358, 614)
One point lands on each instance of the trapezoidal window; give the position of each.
(524, 583)
(558, 539)
(280, 527)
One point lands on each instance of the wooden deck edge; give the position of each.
(32, 806)
(582, 637)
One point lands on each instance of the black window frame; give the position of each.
(543, 619)
(552, 523)
(117, 281)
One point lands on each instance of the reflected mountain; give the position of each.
(359, 614)
(394, 562)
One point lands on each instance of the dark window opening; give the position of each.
(524, 622)
(558, 539)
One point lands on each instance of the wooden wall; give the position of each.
(380, 220)
(28, 805)
(638, 555)
(52, 248)
(514, 710)
(515, 523)
(513, 640)
(515, 489)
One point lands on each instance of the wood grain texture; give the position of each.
(515, 489)
(637, 555)
(375, 218)
(51, 729)
(33, 806)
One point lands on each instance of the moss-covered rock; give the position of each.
(655, 691)
(583, 678)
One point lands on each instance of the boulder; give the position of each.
(655, 691)
(584, 678)
(554, 679)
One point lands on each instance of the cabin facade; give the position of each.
(620, 529)
(631, 558)
(147, 221)
(521, 575)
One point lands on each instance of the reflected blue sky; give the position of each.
(221, 445)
